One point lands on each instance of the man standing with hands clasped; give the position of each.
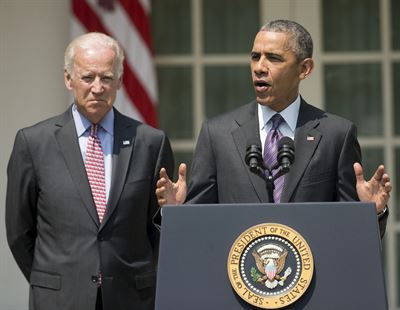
(327, 151)
(81, 205)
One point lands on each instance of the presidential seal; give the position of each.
(270, 266)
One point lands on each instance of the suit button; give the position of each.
(100, 238)
(95, 279)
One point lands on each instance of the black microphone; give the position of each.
(253, 156)
(285, 154)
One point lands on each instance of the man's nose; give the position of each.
(261, 66)
(97, 85)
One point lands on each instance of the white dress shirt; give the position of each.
(290, 115)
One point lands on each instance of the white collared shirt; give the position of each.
(290, 115)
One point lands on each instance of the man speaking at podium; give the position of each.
(326, 167)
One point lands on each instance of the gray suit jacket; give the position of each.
(53, 228)
(322, 171)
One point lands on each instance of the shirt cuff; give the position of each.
(382, 213)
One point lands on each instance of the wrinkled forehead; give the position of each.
(97, 60)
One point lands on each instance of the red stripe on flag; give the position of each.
(135, 90)
(133, 87)
(87, 17)
(140, 19)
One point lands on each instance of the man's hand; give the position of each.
(169, 192)
(377, 189)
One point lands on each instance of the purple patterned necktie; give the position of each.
(270, 152)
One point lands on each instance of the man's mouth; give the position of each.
(96, 100)
(261, 85)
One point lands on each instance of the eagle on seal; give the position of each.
(270, 261)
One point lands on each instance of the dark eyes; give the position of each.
(87, 79)
(255, 56)
(270, 57)
(90, 79)
(274, 58)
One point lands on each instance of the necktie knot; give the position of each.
(93, 130)
(276, 120)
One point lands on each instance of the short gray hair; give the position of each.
(89, 40)
(301, 43)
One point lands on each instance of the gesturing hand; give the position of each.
(169, 192)
(377, 189)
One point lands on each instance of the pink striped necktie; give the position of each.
(271, 151)
(94, 164)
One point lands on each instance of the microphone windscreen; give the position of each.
(288, 142)
(285, 154)
(253, 156)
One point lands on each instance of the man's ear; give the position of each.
(67, 79)
(306, 67)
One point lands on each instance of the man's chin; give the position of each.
(95, 114)
(263, 101)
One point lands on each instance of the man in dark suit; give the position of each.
(85, 238)
(326, 145)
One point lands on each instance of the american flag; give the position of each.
(128, 22)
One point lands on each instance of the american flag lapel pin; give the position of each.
(125, 142)
(310, 138)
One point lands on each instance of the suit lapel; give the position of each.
(67, 140)
(124, 140)
(247, 131)
(307, 138)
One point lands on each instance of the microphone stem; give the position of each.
(266, 174)
(270, 186)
